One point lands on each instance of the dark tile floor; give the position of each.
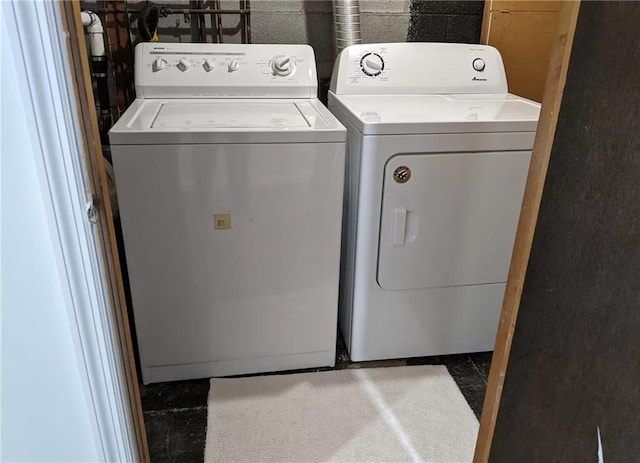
(175, 413)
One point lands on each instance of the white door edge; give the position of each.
(42, 58)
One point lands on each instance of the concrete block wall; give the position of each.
(445, 21)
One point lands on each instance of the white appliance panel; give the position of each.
(424, 322)
(171, 121)
(206, 70)
(229, 174)
(175, 115)
(439, 109)
(253, 297)
(418, 68)
(387, 114)
(349, 221)
(424, 261)
(453, 222)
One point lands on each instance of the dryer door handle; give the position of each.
(399, 226)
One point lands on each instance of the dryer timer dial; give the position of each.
(372, 64)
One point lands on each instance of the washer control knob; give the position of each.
(478, 64)
(372, 64)
(233, 65)
(183, 64)
(282, 65)
(159, 64)
(208, 65)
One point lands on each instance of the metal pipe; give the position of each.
(247, 17)
(346, 23)
(183, 11)
(202, 22)
(99, 67)
(244, 11)
(218, 23)
(213, 27)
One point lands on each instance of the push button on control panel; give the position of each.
(478, 64)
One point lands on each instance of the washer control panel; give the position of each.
(201, 70)
(419, 68)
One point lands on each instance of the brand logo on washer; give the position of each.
(402, 174)
(479, 79)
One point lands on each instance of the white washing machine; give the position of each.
(229, 174)
(437, 160)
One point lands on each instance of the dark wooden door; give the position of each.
(575, 359)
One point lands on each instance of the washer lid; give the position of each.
(173, 121)
(184, 116)
(421, 114)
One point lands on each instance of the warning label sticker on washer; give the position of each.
(222, 221)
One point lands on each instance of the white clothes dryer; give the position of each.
(229, 174)
(437, 158)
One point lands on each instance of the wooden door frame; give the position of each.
(552, 99)
(85, 104)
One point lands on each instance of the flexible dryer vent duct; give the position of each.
(346, 23)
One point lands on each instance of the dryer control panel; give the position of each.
(418, 68)
(206, 70)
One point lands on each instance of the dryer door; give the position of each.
(449, 219)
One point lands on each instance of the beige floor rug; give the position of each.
(392, 415)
